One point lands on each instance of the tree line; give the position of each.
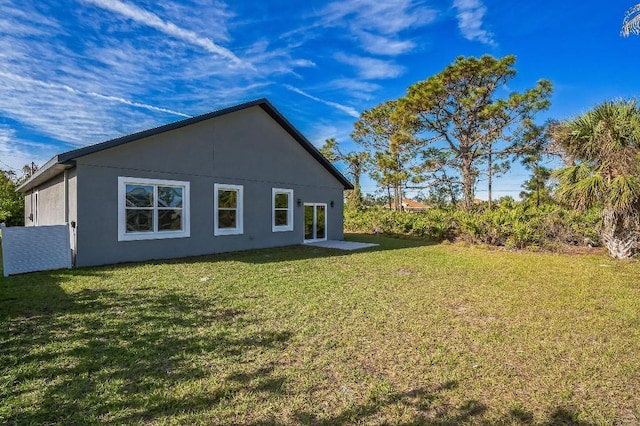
(464, 122)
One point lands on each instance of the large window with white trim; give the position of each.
(227, 209)
(150, 209)
(282, 206)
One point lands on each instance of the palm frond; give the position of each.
(600, 133)
(625, 193)
(580, 186)
(631, 22)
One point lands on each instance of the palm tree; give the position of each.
(631, 23)
(605, 146)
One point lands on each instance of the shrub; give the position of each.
(513, 225)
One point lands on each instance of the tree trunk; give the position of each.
(397, 190)
(620, 233)
(354, 199)
(357, 190)
(450, 188)
(452, 194)
(490, 176)
(467, 184)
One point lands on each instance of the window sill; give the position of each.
(282, 229)
(223, 232)
(142, 236)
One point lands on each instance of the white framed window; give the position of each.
(151, 209)
(227, 209)
(282, 208)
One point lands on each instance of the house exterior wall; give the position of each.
(28, 209)
(246, 148)
(45, 204)
(72, 177)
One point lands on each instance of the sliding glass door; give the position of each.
(315, 222)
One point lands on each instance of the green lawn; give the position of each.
(406, 333)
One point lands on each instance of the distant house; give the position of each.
(235, 179)
(408, 205)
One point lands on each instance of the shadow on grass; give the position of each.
(421, 400)
(37, 294)
(431, 411)
(265, 255)
(102, 356)
(559, 416)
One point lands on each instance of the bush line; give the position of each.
(516, 226)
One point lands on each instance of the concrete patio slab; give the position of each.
(342, 245)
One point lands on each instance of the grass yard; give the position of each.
(406, 333)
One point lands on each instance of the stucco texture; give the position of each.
(246, 147)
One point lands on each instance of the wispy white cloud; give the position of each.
(13, 20)
(114, 67)
(322, 130)
(371, 68)
(274, 61)
(383, 17)
(371, 34)
(66, 114)
(355, 88)
(135, 104)
(378, 24)
(211, 19)
(303, 63)
(470, 14)
(15, 153)
(57, 87)
(144, 17)
(106, 85)
(346, 109)
(381, 45)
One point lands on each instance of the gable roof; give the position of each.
(66, 160)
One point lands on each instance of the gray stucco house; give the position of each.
(234, 179)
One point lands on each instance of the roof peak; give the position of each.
(67, 159)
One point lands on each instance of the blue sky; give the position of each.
(74, 73)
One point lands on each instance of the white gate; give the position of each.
(35, 248)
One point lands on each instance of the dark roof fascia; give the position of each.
(51, 168)
(68, 158)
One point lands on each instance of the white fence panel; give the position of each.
(35, 248)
